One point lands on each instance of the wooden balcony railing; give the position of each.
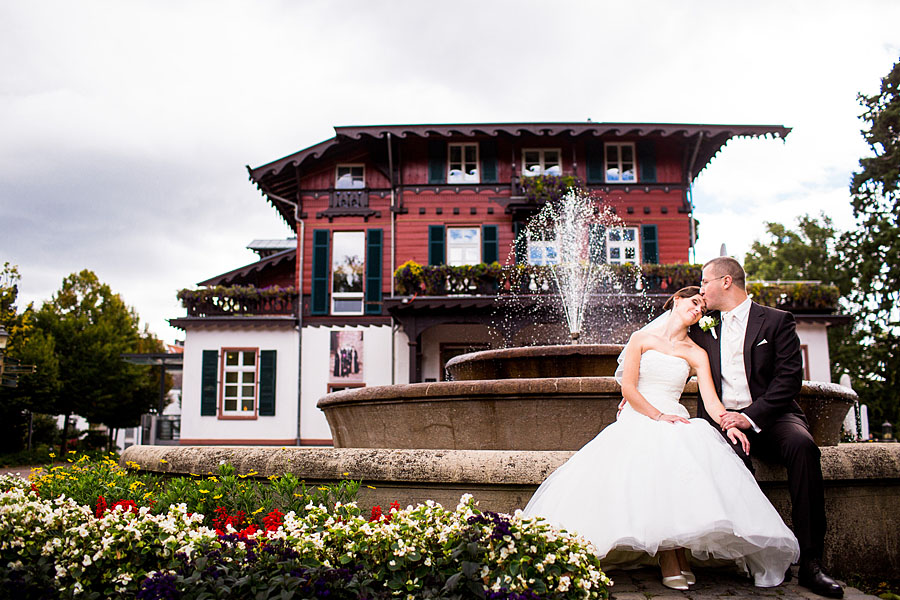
(487, 280)
(239, 301)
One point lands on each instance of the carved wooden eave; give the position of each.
(279, 179)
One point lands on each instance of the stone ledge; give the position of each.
(846, 462)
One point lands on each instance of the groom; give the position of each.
(757, 368)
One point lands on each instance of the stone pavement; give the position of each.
(712, 584)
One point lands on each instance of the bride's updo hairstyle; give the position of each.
(687, 292)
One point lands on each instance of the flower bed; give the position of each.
(62, 547)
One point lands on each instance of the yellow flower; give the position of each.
(257, 511)
(147, 495)
(217, 497)
(52, 455)
(110, 485)
(72, 452)
(371, 487)
(204, 491)
(272, 477)
(345, 474)
(162, 460)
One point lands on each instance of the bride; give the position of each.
(658, 483)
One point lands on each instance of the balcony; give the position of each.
(348, 203)
(412, 279)
(239, 301)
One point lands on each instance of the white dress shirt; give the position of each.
(735, 389)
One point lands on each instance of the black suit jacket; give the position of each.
(772, 360)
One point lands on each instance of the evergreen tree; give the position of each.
(873, 250)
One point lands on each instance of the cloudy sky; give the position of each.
(125, 125)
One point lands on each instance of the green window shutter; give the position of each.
(490, 251)
(267, 369)
(209, 384)
(596, 171)
(646, 152)
(488, 151)
(650, 244)
(520, 244)
(437, 161)
(320, 272)
(597, 244)
(435, 244)
(373, 271)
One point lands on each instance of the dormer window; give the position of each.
(463, 163)
(541, 161)
(620, 166)
(350, 177)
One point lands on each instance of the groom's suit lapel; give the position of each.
(755, 321)
(715, 353)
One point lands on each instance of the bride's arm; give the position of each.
(631, 365)
(714, 407)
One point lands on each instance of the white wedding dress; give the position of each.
(642, 486)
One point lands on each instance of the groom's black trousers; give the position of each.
(789, 442)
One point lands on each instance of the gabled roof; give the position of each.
(715, 136)
(244, 272)
(704, 140)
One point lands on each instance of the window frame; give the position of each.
(621, 244)
(465, 176)
(606, 162)
(477, 244)
(361, 296)
(350, 166)
(543, 161)
(238, 415)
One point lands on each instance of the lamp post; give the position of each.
(887, 432)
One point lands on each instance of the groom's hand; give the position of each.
(730, 419)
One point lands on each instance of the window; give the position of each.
(350, 177)
(347, 272)
(541, 162)
(239, 391)
(463, 163)
(620, 163)
(622, 245)
(463, 246)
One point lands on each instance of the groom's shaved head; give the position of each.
(725, 265)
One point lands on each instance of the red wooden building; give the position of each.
(371, 198)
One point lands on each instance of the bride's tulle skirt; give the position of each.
(643, 486)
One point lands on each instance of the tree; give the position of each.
(811, 252)
(26, 346)
(90, 327)
(873, 248)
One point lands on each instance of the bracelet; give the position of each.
(659, 416)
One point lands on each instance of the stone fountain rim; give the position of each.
(499, 390)
(538, 351)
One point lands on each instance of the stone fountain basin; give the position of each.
(561, 413)
(575, 360)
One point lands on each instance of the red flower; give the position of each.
(127, 506)
(273, 520)
(101, 507)
(35, 490)
(375, 515)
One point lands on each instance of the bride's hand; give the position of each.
(736, 435)
(664, 418)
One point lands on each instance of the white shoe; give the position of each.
(689, 577)
(675, 582)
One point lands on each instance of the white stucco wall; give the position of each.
(280, 428)
(815, 337)
(433, 337)
(315, 350)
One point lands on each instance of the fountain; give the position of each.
(510, 416)
(533, 397)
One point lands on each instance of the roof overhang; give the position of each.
(245, 271)
(704, 141)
